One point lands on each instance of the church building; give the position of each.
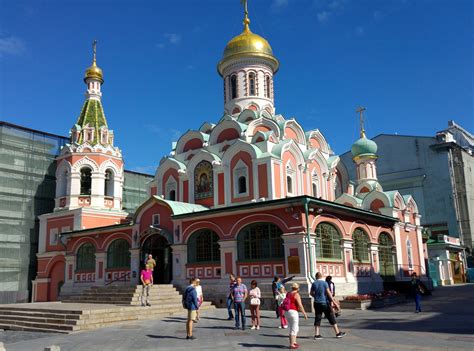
(253, 194)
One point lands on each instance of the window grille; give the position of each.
(233, 87)
(361, 245)
(109, 183)
(118, 254)
(260, 241)
(85, 258)
(252, 84)
(86, 181)
(203, 246)
(328, 242)
(242, 185)
(387, 268)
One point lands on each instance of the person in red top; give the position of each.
(292, 314)
(146, 277)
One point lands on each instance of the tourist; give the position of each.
(239, 295)
(190, 302)
(323, 300)
(229, 297)
(417, 289)
(332, 288)
(146, 276)
(200, 296)
(279, 300)
(276, 284)
(292, 315)
(151, 262)
(255, 295)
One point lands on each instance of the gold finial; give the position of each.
(360, 110)
(246, 14)
(94, 49)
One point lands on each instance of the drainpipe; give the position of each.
(308, 236)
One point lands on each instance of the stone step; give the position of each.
(41, 314)
(36, 319)
(35, 324)
(32, 329)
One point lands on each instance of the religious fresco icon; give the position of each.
(203, 180)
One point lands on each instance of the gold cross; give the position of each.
(244, 4)
(94, 48)
(360, 110)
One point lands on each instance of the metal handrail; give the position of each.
(121, 278)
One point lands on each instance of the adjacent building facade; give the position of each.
(252, 194)
(438, 172)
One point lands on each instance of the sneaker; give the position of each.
(279, 327)
(285, 327)
(230, 318)
(253, 327)
(192, 337)
(294, 347)
(236, 328)
(258, 327)
(149, 305)
(318, 337)
(243, 328)
(340, 335)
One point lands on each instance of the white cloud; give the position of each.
(173, 38)
(322, 16)
(11, 46)
(279, 3)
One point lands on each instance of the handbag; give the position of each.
(255, 301)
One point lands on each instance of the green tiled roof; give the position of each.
(92, 114)
(181, 207)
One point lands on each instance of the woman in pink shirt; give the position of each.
(146, 277)
(255, 295)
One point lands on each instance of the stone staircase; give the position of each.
(163, 294)
(94, 308)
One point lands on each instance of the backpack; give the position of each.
(285, 305)
(184, 300)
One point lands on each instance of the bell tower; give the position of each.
(90, 168)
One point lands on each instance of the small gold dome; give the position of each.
(94, 72)
(248, 44)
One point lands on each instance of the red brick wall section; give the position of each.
(221, 188)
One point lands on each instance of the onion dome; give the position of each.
(364, 147)
(94, 71)
(248, 44)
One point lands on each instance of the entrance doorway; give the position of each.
(158, 246)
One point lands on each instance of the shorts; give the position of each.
(293, 321)
(321, 308)
(192, 314)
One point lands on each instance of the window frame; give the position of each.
(267, 247)
(361, 245)
(197, 246)
(84, 262)
(82, 181)
(326, 248)
(124, 257)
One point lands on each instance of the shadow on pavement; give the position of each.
(265, 346)
(164, 337)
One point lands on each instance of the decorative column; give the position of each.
(100, 263)
(97, 189)
(134, 266)
(180, 258)
(348, 260)
(297, 255)
(228, 258)
(398, 251)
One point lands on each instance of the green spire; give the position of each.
(92, 114)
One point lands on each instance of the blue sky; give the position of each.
(409, 62)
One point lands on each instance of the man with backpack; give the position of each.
(190, 302)
(323, 300)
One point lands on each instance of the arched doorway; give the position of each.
(158, 246)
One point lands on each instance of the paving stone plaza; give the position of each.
(446, 323)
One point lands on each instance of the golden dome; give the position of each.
(248, 44)
(94, 72)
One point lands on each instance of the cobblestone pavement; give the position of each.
(446, 323)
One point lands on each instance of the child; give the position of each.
(279, 299)
(200, 296)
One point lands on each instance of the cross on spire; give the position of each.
(246, 14)
(360, 110)
(94, 49)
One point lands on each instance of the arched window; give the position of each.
(118, 254)
(62, 183)
(86, 181)
(328, 242)
(289, 185)
(242, 185)
(409, 254)
(172, 195)
(260, 241)
(85, 258)
(361, 245)
(315, 190)
(387, 268)
(269, 88)
(252, 83)
(203, 246)
(109, 183)
(233, 86)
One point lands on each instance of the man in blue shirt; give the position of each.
(190, 302)
(239, 295)
(322, 304)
